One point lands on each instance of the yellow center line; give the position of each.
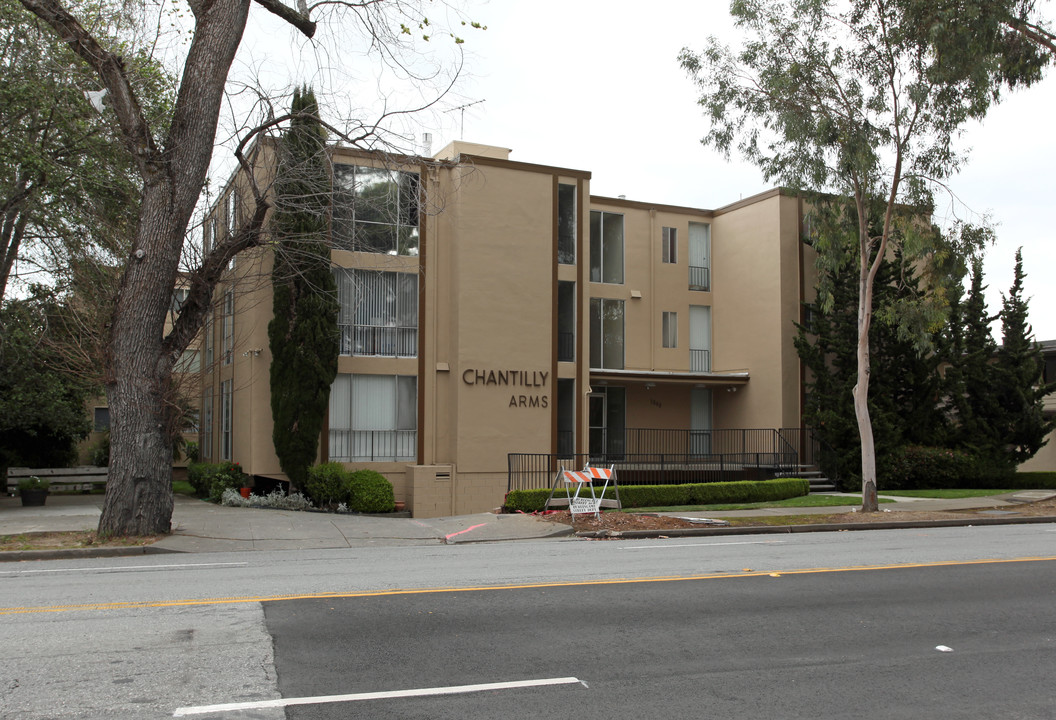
(144, 604)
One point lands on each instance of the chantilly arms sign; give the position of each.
(530, 383)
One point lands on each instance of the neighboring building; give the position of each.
(1046, 457)
(491, 307)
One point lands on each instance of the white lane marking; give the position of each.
(943, 648)
(124, 568)
(668, 545)
(416, 692)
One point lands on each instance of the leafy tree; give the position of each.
(303, 331)
(840, 99)
(42, 407)
(1020, 389)
(65, 193)
(171, 157)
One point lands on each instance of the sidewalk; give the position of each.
(202, 527)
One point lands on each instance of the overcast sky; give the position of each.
(595, 85)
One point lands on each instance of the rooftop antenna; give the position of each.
(462, 115)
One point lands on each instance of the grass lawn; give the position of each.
(182, 487)
(946, 494)
(801, 501)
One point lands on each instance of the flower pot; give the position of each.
(34, 497)
(245, 491)
(400, 505)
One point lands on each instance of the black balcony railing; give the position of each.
(373, 445)
(699, 278)
(645, 456)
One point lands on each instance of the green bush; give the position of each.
(369, 492)
(211, 479)
(930, 468)
(191, 451)
(229, 475)
(327, 484)
(632, 496)
(1032, 481)
(99, 455)
(33, 483)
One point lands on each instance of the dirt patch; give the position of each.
(71, 539)
(626, 521)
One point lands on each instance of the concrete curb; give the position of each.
(78, 553)
(828, 527)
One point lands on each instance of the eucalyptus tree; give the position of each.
(303, 331)
(172, 159)
(838, 97)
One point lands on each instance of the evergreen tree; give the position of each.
(970, 376)
(1020, 390)
(303, 332)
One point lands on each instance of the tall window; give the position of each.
(606, 247)
(375, 210)
(699, 256)
(373, 418)
(101, 419)
(606, 333)
(566, 321)
(233, 209)
(207, 328)
(378, 312)
(225, 420)
(670, 329)
(566, 224)
(699, 338)
(227, 326)
(669, 245)
(207, 423)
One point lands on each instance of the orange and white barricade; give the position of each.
(578, 483)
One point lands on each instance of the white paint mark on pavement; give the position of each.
(416, 692)
(943, 648)
(666, 546)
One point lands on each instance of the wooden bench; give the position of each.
(82, 478)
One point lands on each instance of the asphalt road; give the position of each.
(822, 645)
(144, 637)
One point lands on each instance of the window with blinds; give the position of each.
(378, 313)
(373, 418)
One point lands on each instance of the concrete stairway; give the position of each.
(818, 482)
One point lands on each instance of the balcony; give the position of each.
(373, 445)
(378, 341)
(699, 278)
(700, 360)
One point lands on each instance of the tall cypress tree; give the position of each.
(303, 332)
(970, 377)
(1020, 390)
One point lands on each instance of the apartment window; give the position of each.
(179, 297)
(189, 362)
(669, 245)
(699, 256)
(378, 312)
(101, 419)
(670, 329)
(606, 333)
(232, 212)
(699, 338)
(566, 224)
(227, 326)
(606, 247)
(373, 418)
(207, 235)
(375, 210)
(207, 423)
(566, 321)
(207, 328)
(225, 420)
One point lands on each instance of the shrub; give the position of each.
(915, 467)
(276, 499)
(99, 455)
(211, 479)
(327, 484)
(33, 483)
(632, 496)
(369, 492)
(200, 476)
(191, 451)
(1033, 480)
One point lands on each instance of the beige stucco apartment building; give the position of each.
(491, 307)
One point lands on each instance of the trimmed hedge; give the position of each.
(632, 496)
(211, 479)
(369, 492)
(931, 468)
(1033, 481)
